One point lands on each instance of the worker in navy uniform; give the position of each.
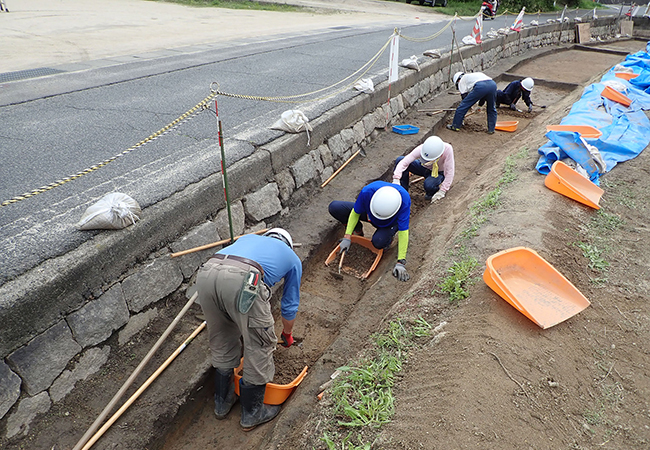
(475, 87)
(388, 208)
(514, 91)
(234, 293)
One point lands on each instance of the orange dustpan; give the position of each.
(586, 131)
(508, 125)
(626, 75)
(365, 242)
(566, 181)
(275, 394)
(533, 286)
(616, 96)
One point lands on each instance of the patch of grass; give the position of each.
(236, 4)
(459, 279)
(594, 255)
(345, 443)
(422, 328)
(606, 221)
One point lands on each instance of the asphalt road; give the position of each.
(61, 124)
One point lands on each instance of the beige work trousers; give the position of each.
(219, 284)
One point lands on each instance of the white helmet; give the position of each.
(281, 234)
(457, 76)
(432, 148)
(527, 83)
(385, 202)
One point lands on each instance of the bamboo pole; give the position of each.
(146, 384)
(340, 168)
(214, 244)
(135, 373)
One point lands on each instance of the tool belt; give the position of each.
(241, 259)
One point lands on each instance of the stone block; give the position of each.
(28, 409)
(359, 132)
(335, 143)
(136, 323)
(326, 155)
(318, 162)
(286, 183)
(43, 359)
(304, 170)
(97, 319)
(9, 388)
(347, 135)
(263, 203)
(89, 363)
(205, 233)
(156, 280)
(223, 227)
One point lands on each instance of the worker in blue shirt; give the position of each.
(234, 293)
(514, 91)
(388, 208)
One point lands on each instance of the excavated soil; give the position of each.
(491, 378)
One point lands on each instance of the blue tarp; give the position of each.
(626, 131)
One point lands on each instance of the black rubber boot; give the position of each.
(224, 393)
(253, 410)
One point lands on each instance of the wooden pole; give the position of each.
(214, 244)
(340, 168)
(146, 384)
(135, 373)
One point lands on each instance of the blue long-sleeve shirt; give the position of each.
(362, 206)
(512, 93)
(278, 261)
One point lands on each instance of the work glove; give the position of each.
(287, 339)
(530, 108)
(399, 271)
(513, 107)
(396, 181)
(344, 245)
(437, 196)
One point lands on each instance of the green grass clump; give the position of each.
(459, 279)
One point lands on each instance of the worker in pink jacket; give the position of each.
(433, 160)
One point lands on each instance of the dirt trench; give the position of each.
(453, 395)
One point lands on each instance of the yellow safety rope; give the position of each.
(184, 117)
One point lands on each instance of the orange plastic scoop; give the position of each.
(566, 181)
(365, 242)
(586, 131)
(275, 394)
(533, 286)
(508, 125)
(616, 96)
(626, 75)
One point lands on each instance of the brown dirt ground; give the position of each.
(491, 378)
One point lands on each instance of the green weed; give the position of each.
(459, 278)
(594, 255)
(236, 4)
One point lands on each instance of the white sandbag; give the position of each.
(365, 85)
(624, 69)
(616, 85)
(492, 33)
(468, 40)
(411, 63)
(534, 23)
(112, 212)
(432, 53)
(293, 121)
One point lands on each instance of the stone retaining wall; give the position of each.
(68, 307)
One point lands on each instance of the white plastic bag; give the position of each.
(112, 212)
(616, 85)
(365, 85)
(293, 121)
(492, 33)
(411, 63)
(624, 69)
